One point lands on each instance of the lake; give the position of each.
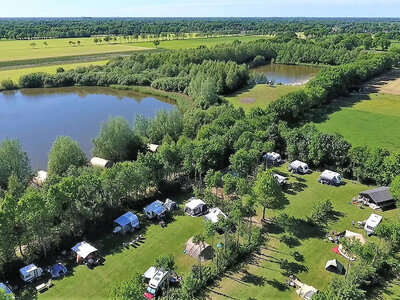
(287, 74)
(37, 116)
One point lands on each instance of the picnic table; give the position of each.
(44, 286)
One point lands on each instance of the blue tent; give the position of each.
(57, 270)
(155, 209)
(127, 221)
(5, 288)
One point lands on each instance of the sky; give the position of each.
(199, 8)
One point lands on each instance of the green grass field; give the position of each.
(371, 120)
(22, 50)
(15, 74)
(121, 263)
(259, 95)
(263, 277)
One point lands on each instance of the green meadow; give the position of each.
(363, 120)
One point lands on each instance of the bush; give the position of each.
(60, 70)
(8, 84)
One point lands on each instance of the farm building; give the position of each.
(379, 196)
(201, 251)
(214, 215)
(335, 266)
(40, 178)
(298, 167)
(83, 250)
(101, 162)
(196, 207)
(153, 147)
(30, 272)
(127, 222)
(155, 209)
(330, 177)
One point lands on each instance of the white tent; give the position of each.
(153, 147)
(195, 207)
(40, 178)
(306, 291)
(101, 162)
(214, 215)
(83, 249)
(351, 235)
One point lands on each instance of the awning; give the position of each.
(125, 219)
(83, 249)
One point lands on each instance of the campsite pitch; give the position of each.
(302, 251)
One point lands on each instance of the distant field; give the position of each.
(259, 95)
(15, 74)
(264, 276)
(22, 50)
(372, 120)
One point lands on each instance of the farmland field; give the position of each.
(259, 95)
(15, 74)
(364, 120)
(263, 277)
(21, 50)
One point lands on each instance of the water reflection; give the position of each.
(37, 116)
(287, 74)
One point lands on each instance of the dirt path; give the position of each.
(388, 83)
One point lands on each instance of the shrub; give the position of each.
(8, 84)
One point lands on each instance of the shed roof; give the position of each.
(378, 195)
(83, 249)
(156, 207)
(126, 218)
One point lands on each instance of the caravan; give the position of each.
(30, 273)
(330, 177)
(158, 278)
(298, 167)
(272, 158)
(372, 222)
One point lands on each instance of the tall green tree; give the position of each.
(116, 141)
(199, 239)
(167, 263)
(268, 191)
(13, 160)
(128, 290)
(65, 153)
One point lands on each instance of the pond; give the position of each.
(37, 116)
(288, 74)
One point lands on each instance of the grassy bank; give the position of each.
(259, 95)
(15, 74)
(303, 251)
(184, 102)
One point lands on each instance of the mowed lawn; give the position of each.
(259, 95)
(264, 276)
(372, 120)
(15, 74)
(121, 263)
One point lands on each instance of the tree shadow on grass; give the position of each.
(290, 241)
(277, 285)
(292, 268)
(253, 279)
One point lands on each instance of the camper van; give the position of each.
(30, 273)
(372, 222)
(272, 158)
(196, 207)
(330, 177)
(158, 278)
(298, 167)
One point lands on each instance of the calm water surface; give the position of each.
(287, 74)
(37, 116)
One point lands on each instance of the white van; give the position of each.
(372, 222)
(158, 278)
